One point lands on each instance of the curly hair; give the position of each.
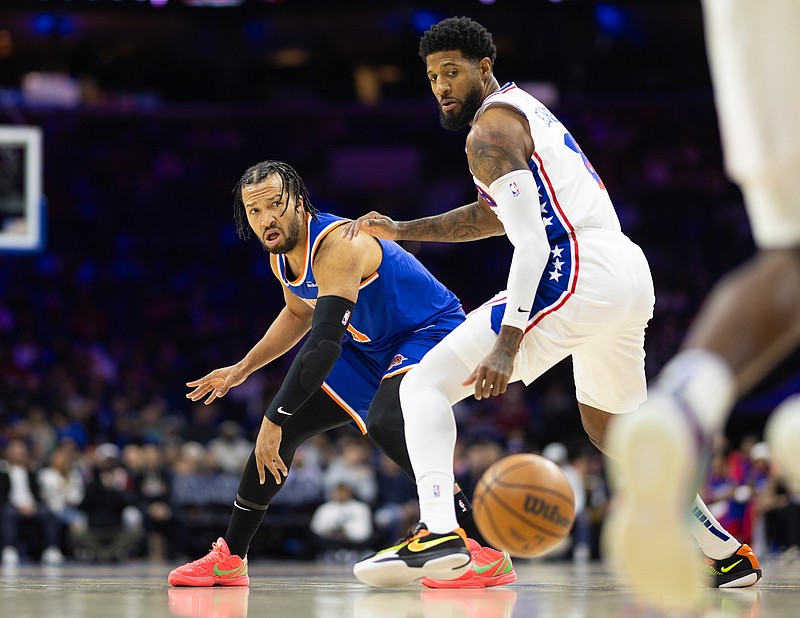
(458, 33)
(292, 185)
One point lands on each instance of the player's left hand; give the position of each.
(267, 444)
(493, 373)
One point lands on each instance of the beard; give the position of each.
(462, 115)
(291, 237)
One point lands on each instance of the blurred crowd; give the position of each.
(144, 286)
(167, 501)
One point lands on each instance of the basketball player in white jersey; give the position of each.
(751, 320)
(577, 286)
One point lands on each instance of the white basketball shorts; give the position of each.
(601, 326)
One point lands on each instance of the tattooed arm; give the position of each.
(471, 222)
(499, 142)
(499, 147)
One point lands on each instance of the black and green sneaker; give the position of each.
(738, 571)
(422, 554)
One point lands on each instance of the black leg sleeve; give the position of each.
(319, 414)
(385, 425)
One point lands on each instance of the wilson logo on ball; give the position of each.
(545, 510)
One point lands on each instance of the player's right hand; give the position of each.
(216, 384)
(374, 224)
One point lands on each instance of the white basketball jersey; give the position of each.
(573, 192)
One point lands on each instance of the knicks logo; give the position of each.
(397, 360)
(545, 510)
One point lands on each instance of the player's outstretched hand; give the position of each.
(374, 224)
(492, 375)
(267, 444)
(216, 384)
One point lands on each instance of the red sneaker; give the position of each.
(489, 568)
(218, 567)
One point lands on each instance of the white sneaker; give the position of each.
(783, 436)
(10, 556)
(52, 556)
(647, 537)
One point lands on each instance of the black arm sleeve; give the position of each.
(315, 359)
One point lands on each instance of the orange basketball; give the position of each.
(524, 504)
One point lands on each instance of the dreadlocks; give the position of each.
(292, 186)
(458, 34)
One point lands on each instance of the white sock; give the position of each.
(705, 382)
(714, 541)
(436, 508)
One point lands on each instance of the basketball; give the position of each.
(524, 504)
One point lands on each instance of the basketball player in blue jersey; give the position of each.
(373, 311)
(751, 320)
(577, 286)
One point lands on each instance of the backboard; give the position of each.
(21, 199)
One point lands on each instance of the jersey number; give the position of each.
(570, 142)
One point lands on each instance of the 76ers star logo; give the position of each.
(397, 360)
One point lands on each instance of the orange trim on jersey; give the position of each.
(343, 404)
(397, 372)
(368, 280)
(273, 264)
(309, 252)
(357, 335)
(322, 235)
(302, 276)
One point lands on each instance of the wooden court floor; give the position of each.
(307, 590)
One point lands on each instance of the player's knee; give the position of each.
(595, 424)
(385, 423)
(374, 425)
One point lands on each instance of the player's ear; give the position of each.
(485, 66)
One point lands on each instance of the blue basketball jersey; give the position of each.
(400, 297)
(402, 311)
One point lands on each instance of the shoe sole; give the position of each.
(396, 573)
(471, 583)
(743, 581)
(206, 582)
(646, 536)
